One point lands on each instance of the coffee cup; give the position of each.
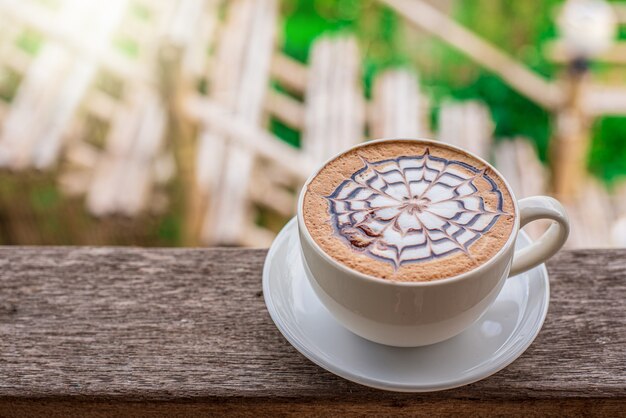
(416, 303)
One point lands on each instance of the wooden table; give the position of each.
(108, 331)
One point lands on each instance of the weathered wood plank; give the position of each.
(188, 328)
(248, 407)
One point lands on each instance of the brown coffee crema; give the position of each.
(406, 210)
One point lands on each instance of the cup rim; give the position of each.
(345, 269)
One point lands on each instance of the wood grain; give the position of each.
(103, 330)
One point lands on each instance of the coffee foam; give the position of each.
(407, 211)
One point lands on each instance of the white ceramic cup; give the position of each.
(410, 314)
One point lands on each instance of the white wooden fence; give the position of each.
(240, 165)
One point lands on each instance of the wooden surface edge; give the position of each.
(591, 407)
(153, 327)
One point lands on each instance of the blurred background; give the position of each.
(195, 122)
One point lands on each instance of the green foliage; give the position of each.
(44, 198)
(374, 25)
(283, 131)
(286, 133)
(140, 11)
(127, 46)
(521, 29)
(9, 81)
(29, 41)
(168, 229)
(608, 148)
(512, 113)
(376, 28)
(446, 71)
(518, 28)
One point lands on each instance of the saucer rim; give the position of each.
(516, 348)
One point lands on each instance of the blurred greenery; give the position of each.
(375, 26)
(39, 215)
(608, 149)
(29, 41)
(9, 80)
(127, 46)
(519, 28)
(32, 211)
(141, 11)
(287, 133)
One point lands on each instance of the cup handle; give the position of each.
(532, 209)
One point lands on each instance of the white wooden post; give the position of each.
(518, 162)
(238, 83)
(396, 106)
(335, 110)
(123, 178)
(466, 124)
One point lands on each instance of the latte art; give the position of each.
(412, 209)
(408, 210)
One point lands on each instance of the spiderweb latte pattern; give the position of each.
(413, 209)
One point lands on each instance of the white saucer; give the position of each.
(492, 343)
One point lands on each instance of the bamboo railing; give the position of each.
(156, 126)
